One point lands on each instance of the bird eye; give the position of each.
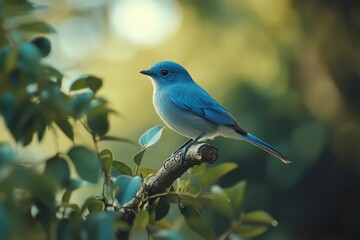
(165, 72)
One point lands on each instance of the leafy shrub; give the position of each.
(32, 102)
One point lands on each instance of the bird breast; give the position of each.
(180, 120)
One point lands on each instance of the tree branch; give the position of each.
(164, 178)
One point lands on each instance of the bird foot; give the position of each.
(181, 152)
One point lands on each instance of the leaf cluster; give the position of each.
(33, 101)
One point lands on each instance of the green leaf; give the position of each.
(98, 106)
(7, 105)
(43, 44)
(34, 187)
(138, 234)
(95, 205)
(68, 227)
(206, 198)
(141, 220)
(166, 234)
(259, 216)
(100, 226)
(74, 184)
(122, 167)
(86, 81)
(98, 123)
(116, 139)
(162, 209)
(17, 8)
(22, 123)
(71, 185)
(8, 57)
(57, 106)
(189, 211)
(247, 231)
(139, 156)
(41, 128)
(109, 192)
(236, 193)
(88, 201)
(221, 202)
(201, 227)
(106, 157)
(36, 26)
(122, 225)
(66, 128)
(151, 136)
(53, 73)
(128, 187)
(72, 206)
(172, 197)
(23, 67)
(197, 170)
(81, 104)
(192, 201)
(29, 57)
(7, 154)
(4, 221)
(57, 169)
(213, 174)
(86, 162)
(98, 116)
(66, 196)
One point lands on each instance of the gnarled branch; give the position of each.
(164, 178)
(167, 174)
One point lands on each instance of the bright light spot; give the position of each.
(145, 22)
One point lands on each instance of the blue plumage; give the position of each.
(189, 110)
(266, 147)
(196, 100)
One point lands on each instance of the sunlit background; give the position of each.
(288, 70)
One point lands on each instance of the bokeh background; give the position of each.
(288, 70)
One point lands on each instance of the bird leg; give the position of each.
(183, 150)
(177, 151)
(181, 147)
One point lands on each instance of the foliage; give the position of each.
(32, 103)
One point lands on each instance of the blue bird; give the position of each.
(188, 109)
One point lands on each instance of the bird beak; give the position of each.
(147, 72)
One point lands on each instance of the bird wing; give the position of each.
(199, 102)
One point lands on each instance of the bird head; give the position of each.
(166, 73)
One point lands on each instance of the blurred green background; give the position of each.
(288, 70)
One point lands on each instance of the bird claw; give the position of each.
(182, 153)
(182, 158)
(165, 162)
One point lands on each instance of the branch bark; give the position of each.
(164, 178)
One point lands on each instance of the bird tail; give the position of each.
(266, 147)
